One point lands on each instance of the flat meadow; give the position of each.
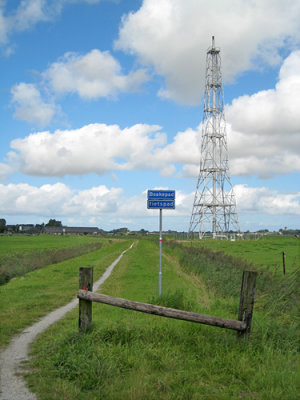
(264, 252)
(20, 254)
(129, 355)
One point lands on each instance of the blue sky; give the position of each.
(102, 100)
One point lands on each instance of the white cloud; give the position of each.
(271, 111)
(3, 27)
(5, 170)
(18, 199)
(57, 200)
(173, 35)
(94, 202)
(29, 105)
(24, 17)
(267, 147)
(95, 148)
(185, 148)
(264, 129)
(265, 200)
(93, 75)
(101, 203)
(30, 12)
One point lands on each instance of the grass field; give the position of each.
(20, 254)
(10, 245)
(28, 297)
(265, 253)
(129, 355)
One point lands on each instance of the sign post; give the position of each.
(160, 252)
(160, 199)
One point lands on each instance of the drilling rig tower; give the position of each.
(214, 210)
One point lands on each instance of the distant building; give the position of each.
(64, 230)
(28, 228)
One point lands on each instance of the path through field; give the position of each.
(12, 385)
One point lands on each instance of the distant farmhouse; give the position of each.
(64, 230)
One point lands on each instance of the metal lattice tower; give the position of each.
(214, 208)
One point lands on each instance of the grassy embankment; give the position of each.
(28, 297)
(20, 254)
(265, 253)
(128, 355)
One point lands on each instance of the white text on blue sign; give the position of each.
(161, 204)
(161, 194)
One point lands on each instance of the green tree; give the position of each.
(53, 222)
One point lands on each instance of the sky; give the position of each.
(101, 100)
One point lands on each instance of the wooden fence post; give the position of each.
(283, 262)
(247, 300)
(85, 306)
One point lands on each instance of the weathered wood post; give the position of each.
(283, 262)
(247, 301)
(85, 306)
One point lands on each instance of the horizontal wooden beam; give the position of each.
(162, 311)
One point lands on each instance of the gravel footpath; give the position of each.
(12, 385)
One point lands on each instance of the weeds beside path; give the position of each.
(29, 297)
(127, 355)
(12, 385)
(135, 356)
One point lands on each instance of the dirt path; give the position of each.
(12, 385)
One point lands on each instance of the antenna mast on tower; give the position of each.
(214, 208)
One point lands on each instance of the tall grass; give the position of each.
(276, 300)
(129, 355)
(277, 293)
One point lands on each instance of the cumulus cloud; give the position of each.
(57, 199)
(30, 106)
(95, 148)
(18, 199)
(93, 75)
(95, 201)
(263, 139)
(265, 200)
(173, 35)
(271, 111)
(5, 171)
(101, 202)
(24, 17)
(263, 130)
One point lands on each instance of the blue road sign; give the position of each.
(161, 194)
(161, 204)
(161, 199)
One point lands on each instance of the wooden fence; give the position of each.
(242, 325)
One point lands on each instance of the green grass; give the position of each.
(21, 254)
(10, 245)
(27, 298)
(128, 355)
(265, 253)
